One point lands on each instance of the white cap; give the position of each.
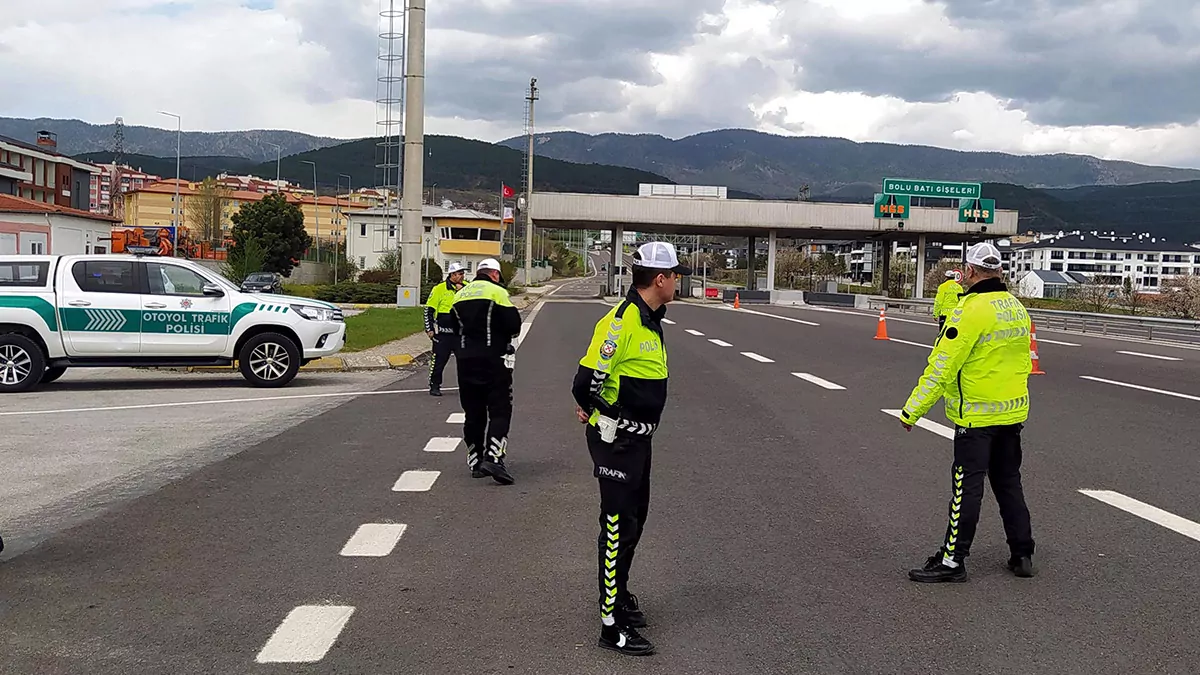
(984, 255)
(659, 255)
(454, 267)
(488, 264)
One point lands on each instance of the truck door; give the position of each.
(178, 319)
(100, 303)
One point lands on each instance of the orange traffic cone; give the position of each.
(881, 327)
(737, 300)
(1033, 351)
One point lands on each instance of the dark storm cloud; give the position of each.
(1065, 62)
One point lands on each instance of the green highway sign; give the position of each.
(977, 211)
(932, 188)
(892, 206)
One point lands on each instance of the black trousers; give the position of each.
(443, 347)
(994, 452)
(623, 470)
(485, 390)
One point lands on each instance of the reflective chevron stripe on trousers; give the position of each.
(443, 347)
(994, 453)
(622, 469)
(485, 391)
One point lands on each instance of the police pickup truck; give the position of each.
(73, 311)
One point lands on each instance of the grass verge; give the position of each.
(380, 325)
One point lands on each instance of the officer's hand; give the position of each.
(906, 425)
(429, 333)
(583, 416)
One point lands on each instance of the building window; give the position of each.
(1056, 267)
(1056, 255)
(362, 259)
(362, 229)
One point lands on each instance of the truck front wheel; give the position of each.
(21, 363)
(269, 360)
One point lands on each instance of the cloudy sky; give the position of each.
(1112, 78)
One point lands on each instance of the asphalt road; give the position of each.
(784, 517)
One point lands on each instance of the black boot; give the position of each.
(1021, 566)
(936, 571)
(624, 640)
(435, 391)
(496, 469)
(628, 614)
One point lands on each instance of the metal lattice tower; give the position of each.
(116, 193)
(389, 113)
(527, 162)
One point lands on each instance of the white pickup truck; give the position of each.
(59, 312)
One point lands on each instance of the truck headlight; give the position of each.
(317, 313)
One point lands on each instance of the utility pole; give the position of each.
(414, 149)
(278, 150)
(529, 99)
(177, 209)
(316, 208)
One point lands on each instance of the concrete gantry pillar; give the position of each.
(616, 259)
(885, 274)
(920, 287)
(771, 260)
(751, 277)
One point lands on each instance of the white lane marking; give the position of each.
(1056, 342)
(668, 322)
(1150, 356)
(442, 444)
(743, 310)
(820, 382)
(720, 343)
(906, 342)
(456, 418)
(694, 332)
(306, 634)
(757, 357)
(374, 540)
(1153, 514)
(146, 406)
(928, 425)
(416, 481)
(1138, 386)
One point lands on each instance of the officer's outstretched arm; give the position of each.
(946, 359)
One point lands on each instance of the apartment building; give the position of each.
(113, 179)
(449, 235)
(1147, 261)
(37, 171)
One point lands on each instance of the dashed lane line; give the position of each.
(691, 331)
(1150, 356)
(820, 382)
(374, 540)
(757, 357)
(1056, 342)
(1143, 510)
(1140, 387)
(743, 310)
(928, 425)
(306, 634)
(442, 444)
(416, 481)
(906, 342)
(720, 343)
(456, 418)
(668, 322)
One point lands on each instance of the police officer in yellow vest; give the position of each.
(621, 389)
(947, 297)
(437, 324)
(486, 322)
(980, 365)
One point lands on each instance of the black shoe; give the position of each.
(628, 614)
(496, 470)
(435, 391)
(1022, 566)
(624, 640)
(476, 472)
(935, 571)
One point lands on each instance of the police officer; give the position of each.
(980, 365)
(437, 325)
(947, 297)
(486, 322)
(621, 389)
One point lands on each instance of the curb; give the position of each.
(360, 364)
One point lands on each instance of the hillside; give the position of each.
(190, 168)
(776, 166)
(454, 163)
(76, 137)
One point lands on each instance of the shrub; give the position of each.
(358, 293)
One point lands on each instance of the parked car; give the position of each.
(76, 311)
(263, 282)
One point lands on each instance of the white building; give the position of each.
(1109, 259)
(36, 228)
(449, 235)
(1047, 284)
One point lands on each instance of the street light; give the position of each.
(278, 149)
(316, 212)
(176, 206)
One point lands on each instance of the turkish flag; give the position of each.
(507, 192)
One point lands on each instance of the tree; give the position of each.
(1180, 297)
(278, 227)
(1130, 298)
(206, 210)
(1094, 296)
(244, 260)
(937, 275)
(789, 266)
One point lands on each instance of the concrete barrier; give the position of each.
(746, 297)
(831, 299)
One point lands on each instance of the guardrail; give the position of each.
(1151, 328)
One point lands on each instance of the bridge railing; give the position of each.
(1152, 328)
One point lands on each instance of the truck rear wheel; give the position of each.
(21, 363)
(269, 360)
